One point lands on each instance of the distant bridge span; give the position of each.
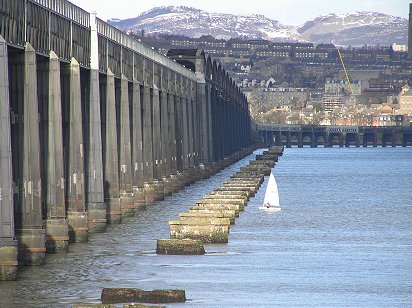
(333, 135)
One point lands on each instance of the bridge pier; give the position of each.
(75, 190)
(26, 167)
(125, 156)
(157, 146)
(110, 153)
(165, 152)
(300, 140)
(150, 193)
(137, 149)
(94, 189)
(57, 230)
(172, 141)
(96, 207)
(8, 243)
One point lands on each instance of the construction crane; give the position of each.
(346, 73)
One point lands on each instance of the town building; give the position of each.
(405, 101)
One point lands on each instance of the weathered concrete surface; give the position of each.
(206, 232)
(32, 249)
(78, 228)
(214, 209)
(97, 217)
(222, 208)
(127, 295)
(141, 306)
(8, 243)
(180, 247)
(231, 190)
(207, 215)
(234, 204)
(8, 261)
(237, 197)
(57, 238)
(94, 306)
(210, 220)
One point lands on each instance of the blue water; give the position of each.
(342, 239)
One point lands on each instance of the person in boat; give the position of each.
(268, 205)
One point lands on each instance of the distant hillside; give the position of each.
(356, 28)
(179, 20)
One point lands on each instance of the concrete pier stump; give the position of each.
(150, 193)
(159, 189)
(180, 247)
(78, 227)
(31, 248)
(8, 260)
(114, 213)
(57, 235)
(127, 207)
(139, 199)
(97, 217)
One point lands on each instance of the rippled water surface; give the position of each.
(342, 239)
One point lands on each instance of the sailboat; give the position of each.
(271, 201)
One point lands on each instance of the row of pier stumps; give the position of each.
(209, 220)
(98, 218)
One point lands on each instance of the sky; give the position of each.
(288, 12)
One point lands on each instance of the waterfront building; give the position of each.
(405, 100)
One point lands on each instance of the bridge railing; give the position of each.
(126, 41)
(66, 9)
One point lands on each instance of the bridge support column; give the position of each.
(95, 204)
(172, 142)
(8, 243)
(191, 176)
(357, 140)
(300, 140)
(176, 177)
(96, 208)
(150, 193)
(203, 122)
(75, 195)
(341, 140)
(165, 150)
(110, 157)
(137, 150)
(125, 156)
(26, 145)
(57, 230)
(328, 141)
(157, 146)
(313, 143)
(210, 123)
(393, 139)
(185, 134)
(288, 140)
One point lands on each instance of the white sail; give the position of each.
(272, 194)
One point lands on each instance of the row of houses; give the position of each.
(266, 49)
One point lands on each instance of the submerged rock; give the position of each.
(180, 247)
(128, 295)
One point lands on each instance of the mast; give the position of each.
(346, 73)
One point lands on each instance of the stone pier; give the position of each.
(8, 242)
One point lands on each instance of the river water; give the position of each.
(342, 239)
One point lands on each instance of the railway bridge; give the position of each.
(330, 135)
(94, 125)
